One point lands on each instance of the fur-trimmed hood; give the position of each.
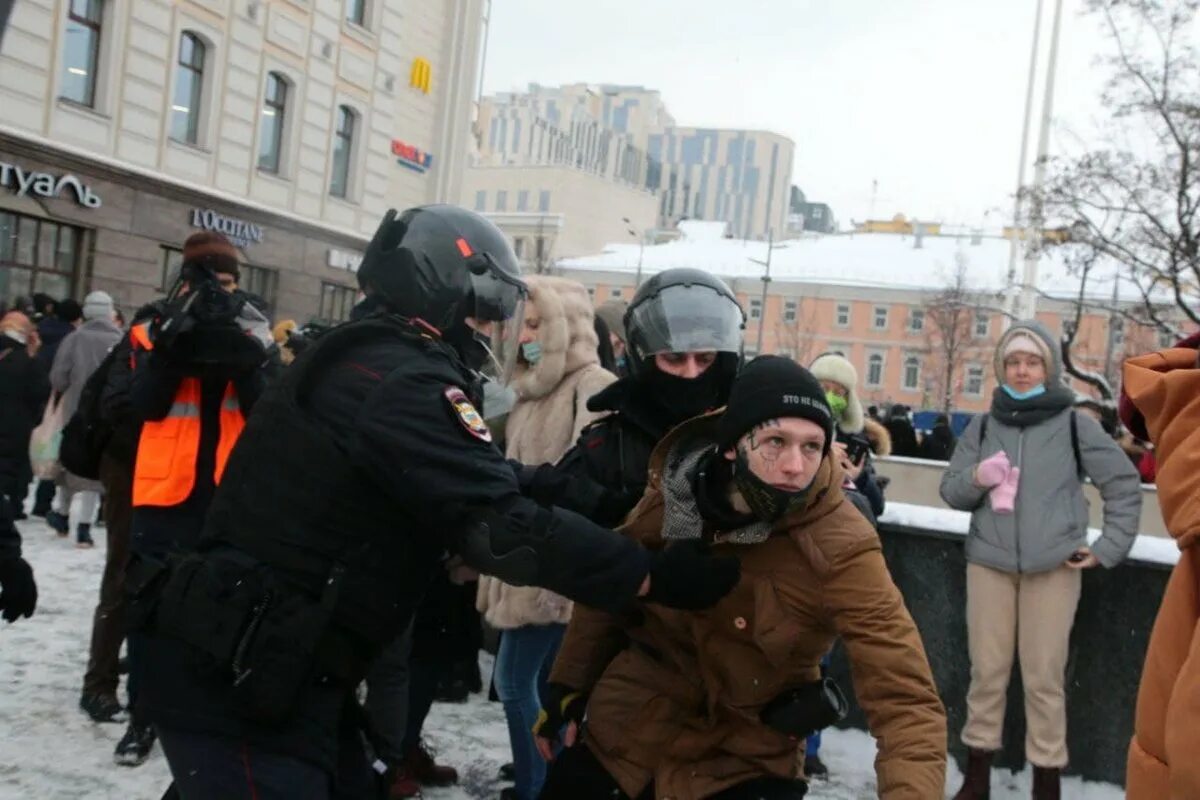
(832, 367)
(879, 437)
(567, 335)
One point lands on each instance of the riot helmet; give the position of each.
(681, 311)
(443, 265)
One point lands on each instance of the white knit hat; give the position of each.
(98, 305)
(1025, 342)
(832, 367)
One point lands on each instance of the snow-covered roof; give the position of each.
(880, 260)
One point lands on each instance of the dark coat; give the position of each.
(24, 388)
(51, 331)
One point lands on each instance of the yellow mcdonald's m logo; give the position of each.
(422, 75)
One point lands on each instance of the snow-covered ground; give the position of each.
(50, 750)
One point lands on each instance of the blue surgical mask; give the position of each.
(532, 351)
(1036, 391)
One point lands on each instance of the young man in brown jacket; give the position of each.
(674, 699)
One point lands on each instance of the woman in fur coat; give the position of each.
(558, 370)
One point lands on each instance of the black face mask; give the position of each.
(683, 398)
(766, 502)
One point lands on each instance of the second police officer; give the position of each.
(360, 469)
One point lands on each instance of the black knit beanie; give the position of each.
(772, 387)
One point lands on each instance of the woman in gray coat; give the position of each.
(1019, 470)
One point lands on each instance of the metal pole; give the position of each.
(1033, 249)
(1113, 319)
(1010, 296)
(641, 251)
(766, 281)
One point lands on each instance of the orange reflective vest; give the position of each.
(165, 471)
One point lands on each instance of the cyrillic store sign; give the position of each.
(411, 157)
(340, 259)
(43, 184)
(238, 231)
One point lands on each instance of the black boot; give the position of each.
(977, 783)
(1046, 783)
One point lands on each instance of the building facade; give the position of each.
(891, 308)
(741, 178)
(289, 126)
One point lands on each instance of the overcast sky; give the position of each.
(924, 96)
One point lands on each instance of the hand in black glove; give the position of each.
(802, 711)
(565, 706)
(685, 576)
(18, 592)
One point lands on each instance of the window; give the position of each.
(912, 373)
(1118, 331)
(543, 201)
(343, 148)
(539, 250)
(336, 302)
(481, 200)
(523, 200)
(81, 51)
(189, 83)
(916, 320)
(356, 12)
(1165, 338)
(274, 109)
(37, 256)
(875, 369)
(881, 318)
(756, 309)
(519, 246)
(789, 311)
(502, 200)
(260, 281)
(616, 293)
(842, 318)
(172, 262)
(982, 325)
(974, 383)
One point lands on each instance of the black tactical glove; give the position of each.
(564, 705)
(806, 709)
(685, 576)
(18, 592)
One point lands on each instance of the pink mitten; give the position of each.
(993, 470)
(1004, 496)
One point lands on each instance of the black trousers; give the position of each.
(577, 775)
(108, 624)
(207, 767)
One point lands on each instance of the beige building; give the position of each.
(588, 210)
(882, 300)
(741, 178)
(291, 126)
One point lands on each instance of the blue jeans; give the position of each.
(519, 671)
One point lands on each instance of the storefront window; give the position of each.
(336, 302)
(262, 282)
(37, 256)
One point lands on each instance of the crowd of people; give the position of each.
(667, 540)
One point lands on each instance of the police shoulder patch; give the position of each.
(465, 411)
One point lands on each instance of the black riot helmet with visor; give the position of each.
(685, 311)
(444, 265)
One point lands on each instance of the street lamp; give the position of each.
(641, 240)
(766, 282)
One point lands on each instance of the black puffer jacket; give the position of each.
(24, 388)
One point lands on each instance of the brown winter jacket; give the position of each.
(549, 414)
(675, 696)
(1163, 763)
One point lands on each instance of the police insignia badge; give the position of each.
(471, 419)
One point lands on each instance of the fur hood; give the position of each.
(567, 335)
(832, 367)
(878, 436)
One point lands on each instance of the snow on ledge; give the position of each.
(1151, 549)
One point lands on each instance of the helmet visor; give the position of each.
(685, 319)
(499, 314)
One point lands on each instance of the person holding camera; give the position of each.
(714, 704)
(199, 366)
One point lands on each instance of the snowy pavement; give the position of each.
(50, 750)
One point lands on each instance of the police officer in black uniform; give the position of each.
(684, 347)
(362, 467)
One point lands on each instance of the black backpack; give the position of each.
(87, 434)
